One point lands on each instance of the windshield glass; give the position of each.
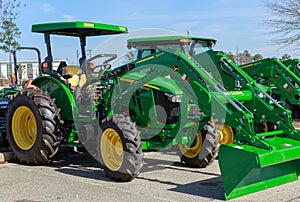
(192, 48)
(197, 47)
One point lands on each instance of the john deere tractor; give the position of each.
(170, 96)
(39, 119)
(264, 144)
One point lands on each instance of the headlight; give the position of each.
(174, 98)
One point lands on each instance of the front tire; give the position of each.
(32, 126)
(204, 149)
(120, 148)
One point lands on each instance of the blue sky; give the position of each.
(235, 24)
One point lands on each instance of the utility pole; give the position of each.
(77, 57)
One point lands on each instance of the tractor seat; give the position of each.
(77, 79)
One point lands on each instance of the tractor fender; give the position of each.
(63, 97)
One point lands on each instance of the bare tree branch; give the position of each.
(285, 21)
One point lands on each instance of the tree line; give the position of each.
(245, 57)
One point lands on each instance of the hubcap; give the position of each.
(24, 128)
(112, 149)
(226, 134)
(194, 150)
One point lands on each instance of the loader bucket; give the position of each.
(246, 169)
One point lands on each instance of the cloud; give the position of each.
(47, 8)
(68, 17)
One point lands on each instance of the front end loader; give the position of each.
(265, 148)
(281, 81)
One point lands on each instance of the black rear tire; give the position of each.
(209, 148)
(32, 126)
(120, 148)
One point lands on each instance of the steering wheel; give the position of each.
(104, 64)
(97, 69)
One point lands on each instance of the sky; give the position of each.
(237, 25)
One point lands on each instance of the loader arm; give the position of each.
(222, 77)
(207, 92)
(284, 83)
(261, 168)
(264, 101)
(293, 65)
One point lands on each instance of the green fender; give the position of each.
(63, 97)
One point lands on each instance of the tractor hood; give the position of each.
(159, 83)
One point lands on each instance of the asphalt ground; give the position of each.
(74, 176)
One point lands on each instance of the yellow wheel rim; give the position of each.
(226, 134)
(24, 128)
(111, 149)
(194, 150)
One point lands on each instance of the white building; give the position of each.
(27, 69)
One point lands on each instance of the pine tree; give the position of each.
(9, 32)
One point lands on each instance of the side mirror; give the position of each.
(45, 68)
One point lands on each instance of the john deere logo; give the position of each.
(175, 68)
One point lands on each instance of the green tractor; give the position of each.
(170, 96)
(281, 80)
(265, 143)
(40, 119)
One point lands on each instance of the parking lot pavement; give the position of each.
(77, 177)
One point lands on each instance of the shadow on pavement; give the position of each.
(82, 164)
(209, 188)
